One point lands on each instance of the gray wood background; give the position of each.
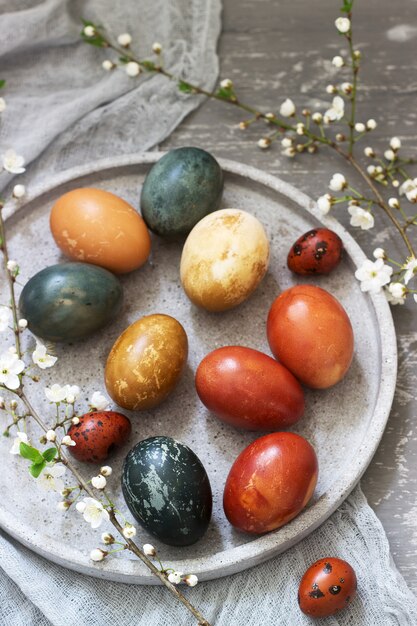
(273, 49)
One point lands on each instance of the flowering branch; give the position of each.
(306, 134)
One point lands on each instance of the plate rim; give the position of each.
(262, 548)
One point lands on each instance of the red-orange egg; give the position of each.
(270, 482)
(328, 586)
(310, 333)
(97, 434)
(319, 251)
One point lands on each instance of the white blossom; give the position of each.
(42, 359)
(67, 441)
(72, 391)
(410, 268)
(342, 24)
(286, 142)
(89, 31)
(393, 203)
(317, 117)
(287, 108)
(107, 65)
(300, 128)
(107, 539)
(156, 47)
(324, 203)
(289, 152)
(337, 182)
(75, 420)
(379, 253)
(396, 293)
(360, 127)
(2, 105)
(124, 40)
(19, 191)
(22, 323)
(395, 143)
(12, 266)
(64, 505)
(389, 155)
(337, 110)
(132, 69)
(50, 477)
(331, 89)
(415, 297)
(106, 470)
(5, 318)
(360, 217)
(56, 393)
(13, 163)
(369, 152)
(99, 482)
(191, 580)
(97, 554)
(175, 577)
(226, 83)
(371, 124)
(347, 89)
(93, 511)
(338, 61)
(409, 188)
(20, 437)
(50, 435)
(98, 401)
(264, 143)
(373, 275)
(129, 531)
(10, 368)
(148, 549)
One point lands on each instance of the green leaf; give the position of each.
(49, 454)
(2, 83)
(32, 454)
(148, 65)
(226, 94)
(184, 87)
(124, 59)
(36, 468)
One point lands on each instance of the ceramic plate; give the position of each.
(344, 424)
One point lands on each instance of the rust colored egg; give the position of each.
(318, 251)
(249, 389)
(328, 586)
(310, 333)
(270, 482)
(146, 362)
(97, 434)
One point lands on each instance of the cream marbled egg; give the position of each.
(224, 259)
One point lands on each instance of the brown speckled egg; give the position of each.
(98, 227)
(146, 362)
(327, 587)
(318, 251)
(224, 259)
(97, 434)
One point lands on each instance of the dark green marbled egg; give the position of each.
(181, 188)
(70, 301)
(167, 490)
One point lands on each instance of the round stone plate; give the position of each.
(344, 423)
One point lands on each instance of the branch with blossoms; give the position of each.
(48, 462)
(387, 185)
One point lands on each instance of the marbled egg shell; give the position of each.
(97, 434)
(224, 259)
(98, 227)
(167, 490)
(179, 190)
(70, 301)
(145, 363)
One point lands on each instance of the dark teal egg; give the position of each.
(181, 188)
(70, 301)
(167, 490)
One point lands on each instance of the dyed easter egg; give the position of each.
(270, 482)
(97, 434)
(146, 362)
(179, 190)
(224, 259)
(167, 490)
(98, 227)
(249, 389)
(328, 586)
(310, 333)
(319, 251)
(70, 301)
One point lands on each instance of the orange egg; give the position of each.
(98, 227)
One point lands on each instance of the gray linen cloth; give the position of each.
(63, 109)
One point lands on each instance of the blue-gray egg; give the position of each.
(167, 490)
(180, 189)
(70, 301)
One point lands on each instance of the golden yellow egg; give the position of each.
(224, 259)
(146, 361)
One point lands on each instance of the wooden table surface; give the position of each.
(273, 49)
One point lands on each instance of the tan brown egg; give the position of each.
(146, 362)
(98, 227)
(224, 259)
